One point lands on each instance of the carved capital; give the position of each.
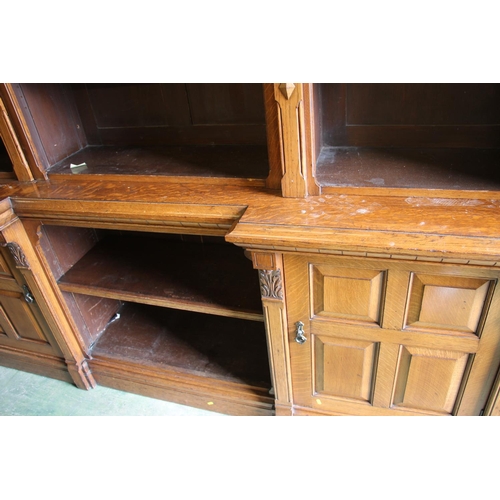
(18, 254)
(271, 286)
(287, 89)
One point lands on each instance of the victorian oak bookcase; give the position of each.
(285, 249)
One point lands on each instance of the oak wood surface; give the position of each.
(245, 161)
(209, 278)
(411, 225)
(208, 346)
(433, 366)
(432, 168)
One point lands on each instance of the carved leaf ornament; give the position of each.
(270, 284)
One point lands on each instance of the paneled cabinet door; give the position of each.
(19, 325)
(391, 337)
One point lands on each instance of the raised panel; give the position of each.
(407, 104)
(4, 268)
(429, 379)
(226, 103)
(138, 105)
(16, 320)
(346, 294)
(344, 368)
(447, 303)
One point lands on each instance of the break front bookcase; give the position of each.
(289, 249)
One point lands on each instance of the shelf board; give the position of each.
(180, 342)
(430, 168)
(210, 278)
(235, 162)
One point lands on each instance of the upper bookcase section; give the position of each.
(206, 131)
(411, 136)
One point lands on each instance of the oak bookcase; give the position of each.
(285, 249)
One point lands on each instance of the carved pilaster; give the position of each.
(270, 267)
(289, 100)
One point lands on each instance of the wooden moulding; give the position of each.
(159, 386)
(181, 218)
(35, 362)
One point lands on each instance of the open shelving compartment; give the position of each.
(441, 137)
(168, 316)
(174, 130)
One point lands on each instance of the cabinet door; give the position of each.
(19, 326)
(391, 337)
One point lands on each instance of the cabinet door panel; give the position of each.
(18, 325)
(428, 379)
(344, 368)
(347, 294)
(447, 302)
(392, 337)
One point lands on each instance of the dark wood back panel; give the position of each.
(63, 247)
(172, 114)
(55, 116)
(411, 115)
(226, 103)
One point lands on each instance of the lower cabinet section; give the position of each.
(212, 362)
(167, 316)
(26, 342)
(391, 337)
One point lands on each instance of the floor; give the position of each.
(26, 394)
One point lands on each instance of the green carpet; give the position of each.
(26, 394)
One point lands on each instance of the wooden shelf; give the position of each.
(211, 278)
(236, 162)
(206, 346)
(431, 168)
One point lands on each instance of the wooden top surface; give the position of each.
(408, 225)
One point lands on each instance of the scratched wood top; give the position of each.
(396, 224)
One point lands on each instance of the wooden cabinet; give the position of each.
(172, 316)
(26, 341)
(370, 213)
(162, 131)
(391, 337)
(404, 138)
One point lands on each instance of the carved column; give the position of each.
(29, 266)
(272, 290)
(292, 120)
